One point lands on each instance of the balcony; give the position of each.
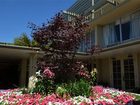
(124, 33)
(99, 3)
(108, 6)
(102, 7)
(129, 46)
(131, 40)
(125, 7)
(103, 10)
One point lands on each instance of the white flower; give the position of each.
(38, 73)
(32, 81)
(77, 100)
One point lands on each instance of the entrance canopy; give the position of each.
(14, 65)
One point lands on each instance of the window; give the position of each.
(135, 23)
(129, 73)
(83, 46)
(124, 33)
(125, 27)
(123, 73)
(92, 38)
(117, 33)
(95, 1)
(117, 74)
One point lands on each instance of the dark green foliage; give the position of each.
(81, 87)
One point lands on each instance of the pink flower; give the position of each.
(84, 73)
(97, 89)
(112, 97)
(48, 73)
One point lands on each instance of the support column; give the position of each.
(96, 61)
(98, 35)
(32, 64)
(32, 71)
(23, 72)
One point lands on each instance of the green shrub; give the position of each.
(43, 87)
(61, 91)
(81, 87)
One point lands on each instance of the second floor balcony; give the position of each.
(102, 7)
(124, 31)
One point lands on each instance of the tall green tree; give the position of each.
(23, 40)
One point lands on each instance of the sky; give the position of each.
(16, 14)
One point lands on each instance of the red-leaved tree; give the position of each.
(60, 40)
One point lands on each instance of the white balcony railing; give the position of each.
(128, 41)
(102, 9)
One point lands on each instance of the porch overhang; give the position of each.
(125, 48)
(17, 52)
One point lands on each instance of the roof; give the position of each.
(7, 45)
(9, 51)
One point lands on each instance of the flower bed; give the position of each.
(99, 95)
(110, 96)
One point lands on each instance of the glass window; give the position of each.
(117, 33)
(129, 73)
(95, 1)
(117, 74)
(125, 27)
(92, 38)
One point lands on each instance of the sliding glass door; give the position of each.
(123, 73)
(117, 74)
(129, 74)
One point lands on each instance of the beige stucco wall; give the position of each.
(104, 73)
